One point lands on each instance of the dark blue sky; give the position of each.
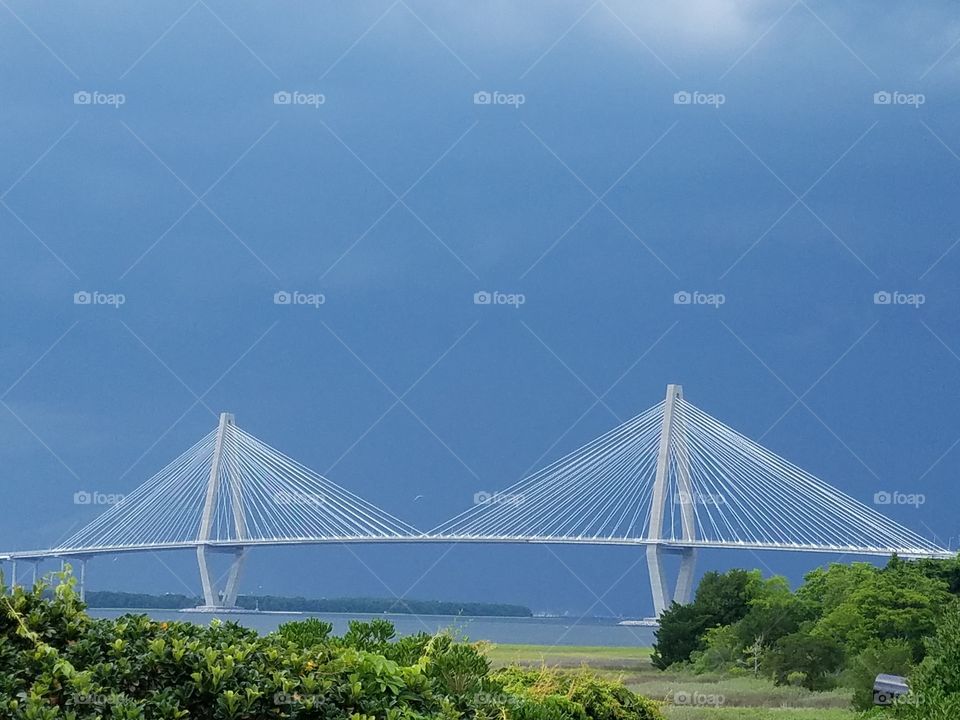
(398, 198)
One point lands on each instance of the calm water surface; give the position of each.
(532, 631)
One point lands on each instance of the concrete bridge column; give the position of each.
(82, 579)
(211, 597)
(672, 437)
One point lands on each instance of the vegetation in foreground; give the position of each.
(681, 712)
(842, 627)
(714, 695)
(56, 662)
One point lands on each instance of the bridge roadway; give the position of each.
(668, 545)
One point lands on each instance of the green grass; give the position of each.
(727, 691)
(734, 713)
(720, 696)
(571, 656)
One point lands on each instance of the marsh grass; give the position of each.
(723, 696)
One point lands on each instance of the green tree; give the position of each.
(892, 657)
(680, 633)
(897, 603)
(722, 650)
(948, 571)
(774, 612)
(753, 654)
(721, 599)
(724, 598)
(935, 684)
(824, 589)
(817, 658)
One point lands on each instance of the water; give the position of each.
(527, 631)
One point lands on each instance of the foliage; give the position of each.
(722, 651)
(724, 598)
(817, 659)
(935, 684)
(57, 663)
(824, 589)
(307, 633)
(546, 694)
(893, 657)
(947, 571)
(898, 602)
(721, 599)
(844, 623)
(679, 635)
(774, 612)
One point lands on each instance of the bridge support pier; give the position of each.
(659, 586)
(13, 575)
(82, 578)
(211, 596)
(232, 587)
(673, 476)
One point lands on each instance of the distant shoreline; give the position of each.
(272, 604)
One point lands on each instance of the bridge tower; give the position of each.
(211, 597)
(673, 456)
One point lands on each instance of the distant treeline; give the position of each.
(110, 599)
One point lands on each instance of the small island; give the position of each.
(272, 603)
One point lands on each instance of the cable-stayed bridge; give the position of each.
(673, 479)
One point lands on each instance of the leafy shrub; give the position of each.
(722, 651)
(935, 684)
(57, 663)
(565, 696)
(894, 657)
(812, 661)
(721, 599)
(306, 633)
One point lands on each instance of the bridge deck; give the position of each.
(677, 545)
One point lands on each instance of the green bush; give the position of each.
(935, 684)
(845, 624)
(893, 657)
(57, 663)
(805, 660)
(565, 696)
(723, 651)
(306, 633)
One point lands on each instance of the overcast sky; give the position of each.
(795, 158)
